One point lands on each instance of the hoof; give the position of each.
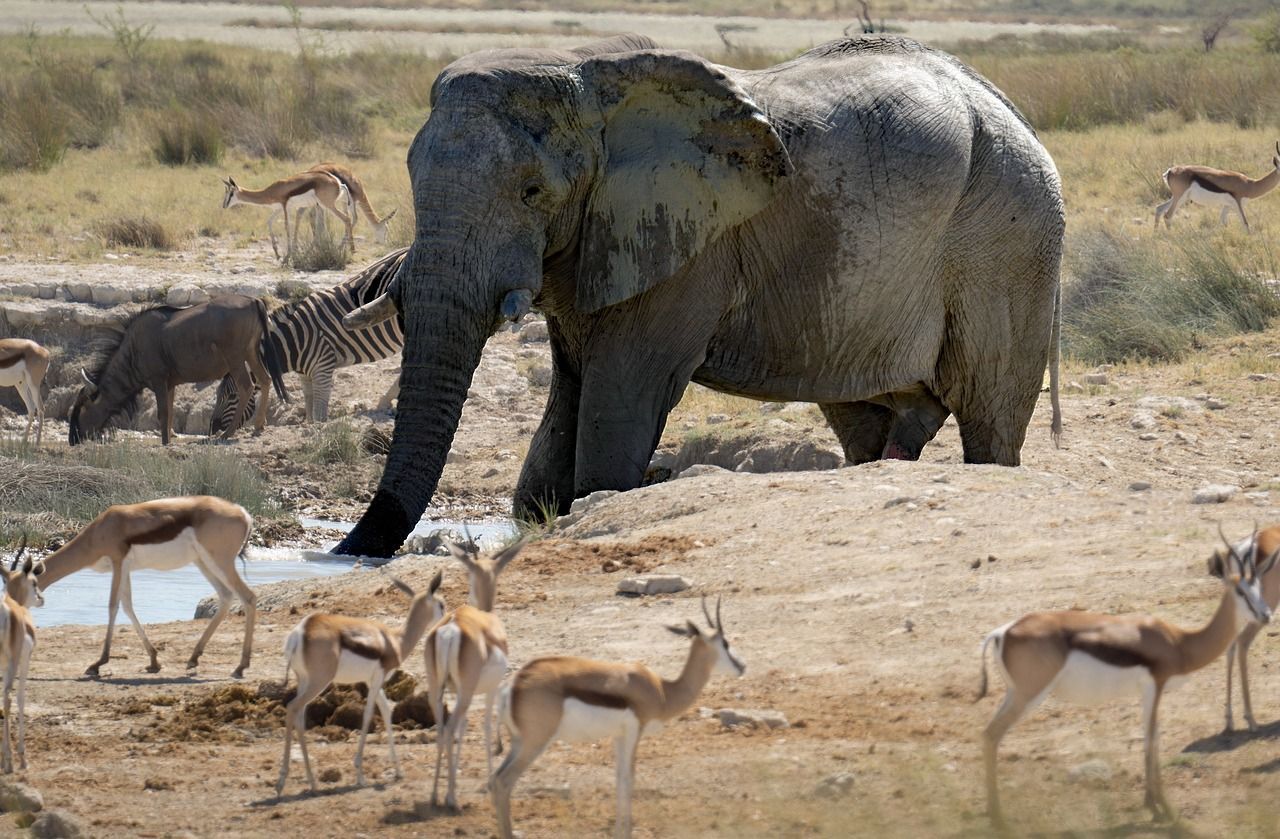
(92, 671)
(153, 668)
(238, 673)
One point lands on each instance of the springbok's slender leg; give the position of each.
(113, 605)
(385, 707)
(624, 749)
(522, 754)
(224, 605)
(1243, 218)
(1242, 645)
(126, 598)
(22, 708)
(1154, 798)
(271, 230)
(10, 671)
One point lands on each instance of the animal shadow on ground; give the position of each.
(305, 793)
(420, 811)
(1175, 830)
(142, 681)
(1225, 741)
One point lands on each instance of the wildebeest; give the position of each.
(165, 346)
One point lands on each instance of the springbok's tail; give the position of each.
(271, 354)
(995, 636)
(1055, 356)
(291, 646)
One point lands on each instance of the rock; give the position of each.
(416, 708)
(901, 499)
(649, 584)
(1142, 420)
(699, 469)
(1259, 377)
(58, 824)
(732, 717)
(331, 775)
(1140, 486)
(1185, 438)
(534, 332)
(581, 505)
(1090, 772)
(835, 786)
(663, 460)
(1095, 378)
(717, 419)
(1148, 437)
(1214, 494)
(105, 295)
(1215, 404)
(79, 292)
(16, 798)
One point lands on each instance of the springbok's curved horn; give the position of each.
(719, 622)
(380, 309)
(707, 614)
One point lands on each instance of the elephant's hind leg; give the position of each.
(917, 417)
(861, 427)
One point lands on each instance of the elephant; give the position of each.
(871, 226)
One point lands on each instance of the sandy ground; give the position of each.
(856, 596)
(211, 22)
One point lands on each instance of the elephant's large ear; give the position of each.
(685, 156)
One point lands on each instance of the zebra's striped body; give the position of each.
(311, 341)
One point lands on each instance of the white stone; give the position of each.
(835, 786)
(18, 798)
(1142, 420)
(534, 332)
(1214, 404)
(1214, 494)
(1140, 486)
(581, 505)
(650, 584)
(699, 469)
(731, 717)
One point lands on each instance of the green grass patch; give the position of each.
(334, 443)
(1158, 298)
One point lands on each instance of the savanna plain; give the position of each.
(856, 596)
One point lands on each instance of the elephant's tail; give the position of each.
(1055, 356)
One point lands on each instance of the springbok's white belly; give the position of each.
(582, 721)
(302, 200)
(11, 376)
(1199, 195)
(353, 668)
(1086, 680)
(182, 550)
(493, 672)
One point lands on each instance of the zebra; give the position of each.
(309, 338)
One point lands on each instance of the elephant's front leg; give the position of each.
(547, 478)
(627, 392)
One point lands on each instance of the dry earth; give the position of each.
(856, 596)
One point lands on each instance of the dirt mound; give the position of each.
(560, 556)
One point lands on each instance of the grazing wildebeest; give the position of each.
(163, 347)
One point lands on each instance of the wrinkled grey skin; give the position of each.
(871, 227)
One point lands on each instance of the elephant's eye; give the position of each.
(530, 193)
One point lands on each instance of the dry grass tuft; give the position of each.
(141, 232)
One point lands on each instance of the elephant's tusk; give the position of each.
(382, 308)
(516, 304)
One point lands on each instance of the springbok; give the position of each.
(576, 699)
(17, 641)
(467, 651)
(23, 365)
(295, 193)
(1216, 188)
(1262, 543)
(325, 649)
(163, 535)
(1087, 658)
(359, 197)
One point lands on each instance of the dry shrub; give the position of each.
(140, 232)
(187, 137)
(322, 252)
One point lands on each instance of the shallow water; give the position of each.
(161, 596)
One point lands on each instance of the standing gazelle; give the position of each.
(294, 194)
(17, 641)
(468, 652)
(1216, 188)
(1261, 544)
(576, 699)
(324, 649)
(23, 364)
(163, 535)
(1087, 658)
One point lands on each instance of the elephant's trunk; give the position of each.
(444, 339)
